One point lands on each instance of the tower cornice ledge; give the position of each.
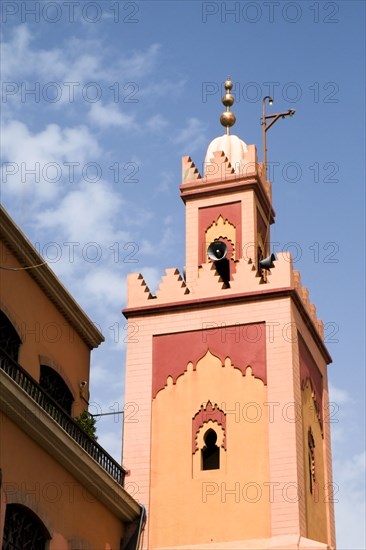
(237, 183)
(248, 178)
(282, 542)
(205, 303)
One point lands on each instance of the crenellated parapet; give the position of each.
(189, 170)
(208, 284)
(138, 293)
(172, 287)
(227, 169)
(310, 308)
(283, 275)
(219, 167)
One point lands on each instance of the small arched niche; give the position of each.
(210, 453)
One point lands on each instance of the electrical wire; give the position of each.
(22, 268)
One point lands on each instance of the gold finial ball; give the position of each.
(228, 119)
(228, 100)
(228, 84)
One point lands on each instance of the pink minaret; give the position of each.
(230, 447)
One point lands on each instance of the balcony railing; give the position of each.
(50, 406)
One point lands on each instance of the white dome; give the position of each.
(233, 147)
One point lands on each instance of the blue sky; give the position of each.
(121, 91)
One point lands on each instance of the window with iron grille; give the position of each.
(55, 386)
(9, 339)
(23, 530)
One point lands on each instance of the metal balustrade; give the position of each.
(51, 407)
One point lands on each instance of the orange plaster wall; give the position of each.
(191, 506)
(281, 387)
(35, 479)
(42, 329)
(316, 518)
(308, 412)
(285, 434)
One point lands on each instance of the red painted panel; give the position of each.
(231, 212)
(309, 371)
(244, 344)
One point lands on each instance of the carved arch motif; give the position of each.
(221, 228)
(208, 413)
(307, 382)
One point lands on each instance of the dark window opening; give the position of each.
(310, 476)
(23, 530)
(9, 339)
(211, 452)
(311, 458)
(260, 257)
(223, 269)
(55, 386)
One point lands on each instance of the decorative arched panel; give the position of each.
(222, 230)
(213, 220)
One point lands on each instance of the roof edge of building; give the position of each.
(44, 276)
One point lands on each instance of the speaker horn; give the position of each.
(267, 263)
(217, 251)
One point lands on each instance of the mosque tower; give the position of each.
(228, 368)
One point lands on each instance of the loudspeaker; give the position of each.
(217, 251)
(267, 263)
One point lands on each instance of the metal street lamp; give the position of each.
(266, 126)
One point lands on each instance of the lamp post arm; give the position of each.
(275, 118)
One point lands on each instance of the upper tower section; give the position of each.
(228, 217)
(231, 202)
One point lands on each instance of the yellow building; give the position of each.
(60, 490)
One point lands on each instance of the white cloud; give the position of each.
(73, 60)
(338, 395)
(192, 136)
(152, 277)
(156, 123)
(48, 153)
(13, 51)
(136, 64)
(104, 287)
(108, 439)
(86, 214)
(109, 115)
(162, 88)
(167, 182)
(167, 241)
(349, 482)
